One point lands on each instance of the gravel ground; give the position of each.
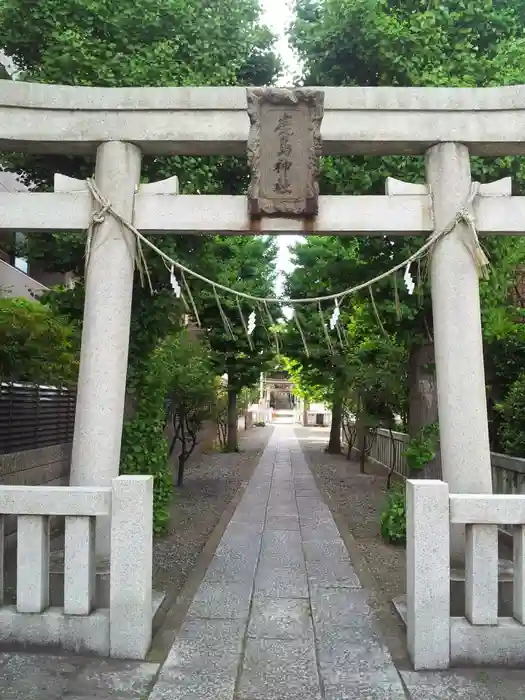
(210, 483)
(358, 499)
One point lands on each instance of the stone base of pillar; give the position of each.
(56, 586)
(505, 584)
(56, 581)
(457, 592)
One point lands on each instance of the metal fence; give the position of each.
(33, 416)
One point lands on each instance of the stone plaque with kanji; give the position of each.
(284, 147)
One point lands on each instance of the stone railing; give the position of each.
(124, 629)
(508, 473)
(436, 640)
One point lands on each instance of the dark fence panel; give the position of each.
(33, 416)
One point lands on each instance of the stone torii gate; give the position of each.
(120, 125)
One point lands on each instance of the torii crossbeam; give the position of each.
(122, 124)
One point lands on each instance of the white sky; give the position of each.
(278, 15)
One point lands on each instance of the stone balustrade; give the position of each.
(124, 629)
(435, 639)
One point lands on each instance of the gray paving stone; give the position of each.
(299, 552)
(35, 676)
(235, 566)
(279, 670)
(313, 514)
(204, 684)
(347, 653)
(98, 696)
(326, 532)
(307, 492)
(236, 528)
(239, 545)
(340, 607)
(188, 657)
(280, 511)
(71, 696)
(280, 618)
(216, 600)
(109, 678)
(365, 689)
(311, 503)
(204, 644)
(332, 573)
(249, 515)
(320, 550)
(452, 685)
(315, 519)
(282, 522)
(203, 662)
(281, 582)
(277, 539)
(228, 631)
(281, 548)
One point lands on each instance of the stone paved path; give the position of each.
(280, 614)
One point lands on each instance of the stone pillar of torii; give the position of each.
(284, 143)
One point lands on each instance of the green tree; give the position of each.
(322, 358)
(513, 419)
(354, 366)
(246, 264)
(191, 394)
(153, 43)
(422, 43)
(36, 344)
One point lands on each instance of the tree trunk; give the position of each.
(182, 455)
(232, 444)
(180, 471)
(423, 405)
(360, 429)
(305, 413)
(334, 444)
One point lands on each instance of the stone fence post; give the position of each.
(428, 573)
(131, 566)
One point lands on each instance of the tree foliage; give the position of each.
(354, 366)
(513, 419)
(36, 344)
(178, 375)
(161, 43)
(192, 394)
(246, 264)
(417, 43)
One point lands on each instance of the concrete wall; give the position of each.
(44, 466)
(15, 283)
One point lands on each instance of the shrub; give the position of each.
(422, 448)
(393, 516)
(176, 379)
(513, 422)
(36, 344)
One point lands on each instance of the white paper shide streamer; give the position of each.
(175, 283)
(409, 282)
(251, 323)
(335, 316)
